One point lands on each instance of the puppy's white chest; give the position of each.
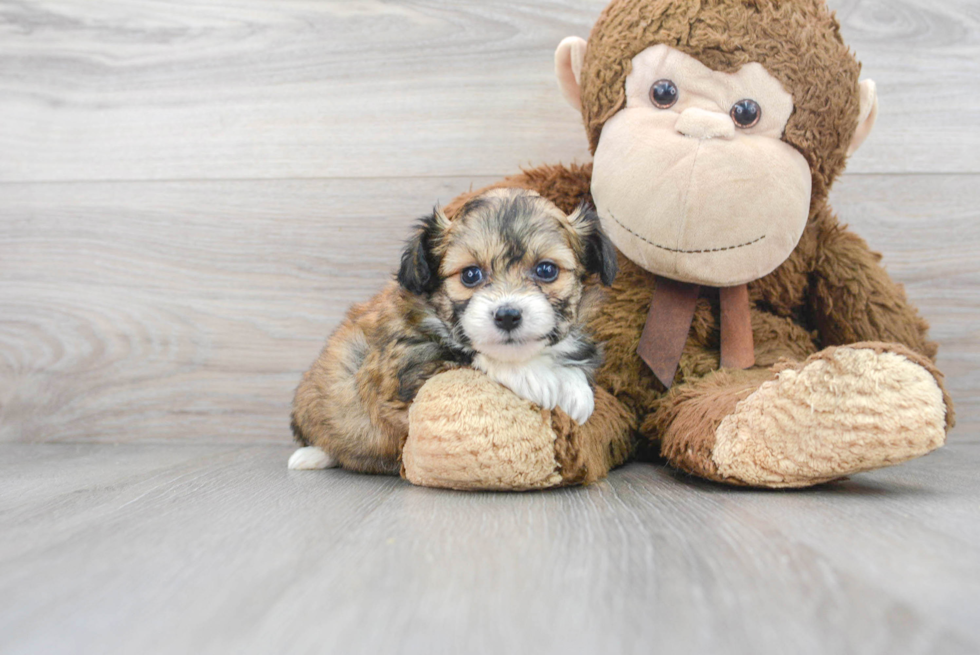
(544, 382)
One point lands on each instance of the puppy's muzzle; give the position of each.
(507, 318)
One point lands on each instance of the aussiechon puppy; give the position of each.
(505, 287)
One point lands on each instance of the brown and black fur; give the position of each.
(353, 402)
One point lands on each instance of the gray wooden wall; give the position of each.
(192, 193)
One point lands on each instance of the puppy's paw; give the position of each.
(540, 385)
(577, 398)
(535, 380)
(311, 458)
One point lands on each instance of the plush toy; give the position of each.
(749, 336)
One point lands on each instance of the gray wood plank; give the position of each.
(924, 56)
(142, 90)
(188, 310)
(175, 549)
(248, 89)
(183, 310)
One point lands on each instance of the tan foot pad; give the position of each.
(843, 411)
(468, 432)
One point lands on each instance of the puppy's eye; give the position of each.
(471, 276)
(546, 271)
(663, 94)
(746, 113)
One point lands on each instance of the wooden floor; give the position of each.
(219, 549)
(190, 196)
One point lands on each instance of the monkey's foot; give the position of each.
(468, 432)
(842, 411)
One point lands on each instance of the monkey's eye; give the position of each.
(546, 271)
(746, 113)
(471, 276)
(663, 94)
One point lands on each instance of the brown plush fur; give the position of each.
(844, 410)
(585, 453)
(691, 413)
(831, 291)
(467, 432)
(917, 358)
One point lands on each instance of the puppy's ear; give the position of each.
(419, 272)
(598, 254)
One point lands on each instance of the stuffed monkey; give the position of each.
(750, 337)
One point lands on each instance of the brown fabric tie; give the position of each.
(669, 322)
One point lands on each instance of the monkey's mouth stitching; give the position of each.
(685, 252)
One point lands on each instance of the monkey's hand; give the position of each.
(468, 432)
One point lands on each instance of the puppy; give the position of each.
(505, 288)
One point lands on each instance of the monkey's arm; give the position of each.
(853, 299)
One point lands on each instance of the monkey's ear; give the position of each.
(598, 253)
(568, 68)
(867, 116)
(419, 272)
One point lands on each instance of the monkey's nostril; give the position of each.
(507, 318)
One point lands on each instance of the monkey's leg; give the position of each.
(468, 432)
(841, 411)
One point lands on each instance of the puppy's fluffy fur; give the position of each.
(470, 292)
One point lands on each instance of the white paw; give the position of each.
(533, 380)
(545, 383)
(577, 398)
(311, 458)
(541, 385)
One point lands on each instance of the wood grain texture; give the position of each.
(204, 549)
(183, 310)
(249, 89)
(170, 89)
(188, 310)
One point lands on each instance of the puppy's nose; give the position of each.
(507, 318)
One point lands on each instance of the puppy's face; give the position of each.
(508, 275)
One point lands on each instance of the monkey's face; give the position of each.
(691, 178)
(512, 272)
